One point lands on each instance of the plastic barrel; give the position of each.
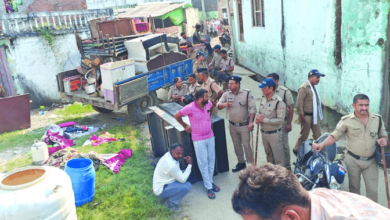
(82, 175)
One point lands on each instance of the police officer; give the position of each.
(191, 53)
(199, 63)
(227, 66)
(241, 108)
(214, 91)
(215, 65)
(286, 95)
(305, 108)
(363, 130)
(271, 117)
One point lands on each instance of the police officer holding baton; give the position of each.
(241, 108)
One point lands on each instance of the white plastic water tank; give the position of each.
(36, 192)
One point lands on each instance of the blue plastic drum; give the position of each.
(82, 174)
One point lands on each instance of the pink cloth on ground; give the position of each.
(116, 162)
(58, 139)
(200, 120)
(67, 124)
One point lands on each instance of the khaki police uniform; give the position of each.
(216, 65)
(192, 55)
(305, 107)
(193, 88)
(359, 157)
(196, 66)
(243, 105)
(286, 95)
(212, 89)
(227, 64)
(173, 90)
(274, 112)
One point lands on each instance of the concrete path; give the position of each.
(197, 206)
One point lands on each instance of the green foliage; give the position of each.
(47, 35)
(74, 109)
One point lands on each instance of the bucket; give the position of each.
(82, 175)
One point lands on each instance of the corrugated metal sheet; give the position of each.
(153, 10)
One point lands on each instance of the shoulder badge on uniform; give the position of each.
(279, 99)
(377, 115)
(248, 90)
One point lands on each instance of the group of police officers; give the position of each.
(363, 129)
(275, 116)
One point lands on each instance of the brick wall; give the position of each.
(56, 5)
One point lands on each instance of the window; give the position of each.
(258, 13)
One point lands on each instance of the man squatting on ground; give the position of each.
(199, 114)
(169, 182)
(273, 192)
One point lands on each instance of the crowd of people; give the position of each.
(260, 185)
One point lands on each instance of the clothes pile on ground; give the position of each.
(61, 136)
(114, 161)
(59, 158)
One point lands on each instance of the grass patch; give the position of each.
(21, 138)
(126, 195)
(74, 109)
(16, 163)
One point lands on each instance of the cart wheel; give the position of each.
(102, 110)
(138, 108)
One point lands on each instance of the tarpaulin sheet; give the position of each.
(176, 16)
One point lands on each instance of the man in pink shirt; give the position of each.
(273, 192)
(199, 113)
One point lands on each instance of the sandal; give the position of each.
(216, 188)
(211, 194)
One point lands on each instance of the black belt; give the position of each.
(239, 124)
(309, 114)
(359, 157)
(271, 132)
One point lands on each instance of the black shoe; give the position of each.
(239, 167)
(211, 194)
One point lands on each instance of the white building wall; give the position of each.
(34, 65)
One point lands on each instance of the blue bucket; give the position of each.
(82, 174)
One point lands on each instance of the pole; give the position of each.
(204, 18)
(257, 143)
(253, 149)
(231, 30)
(385, 172)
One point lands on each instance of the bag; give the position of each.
(188, 99)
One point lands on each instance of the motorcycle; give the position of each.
(224, 39)
(318, 169)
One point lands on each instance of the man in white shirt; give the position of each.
(184, 39)
(169, 182)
